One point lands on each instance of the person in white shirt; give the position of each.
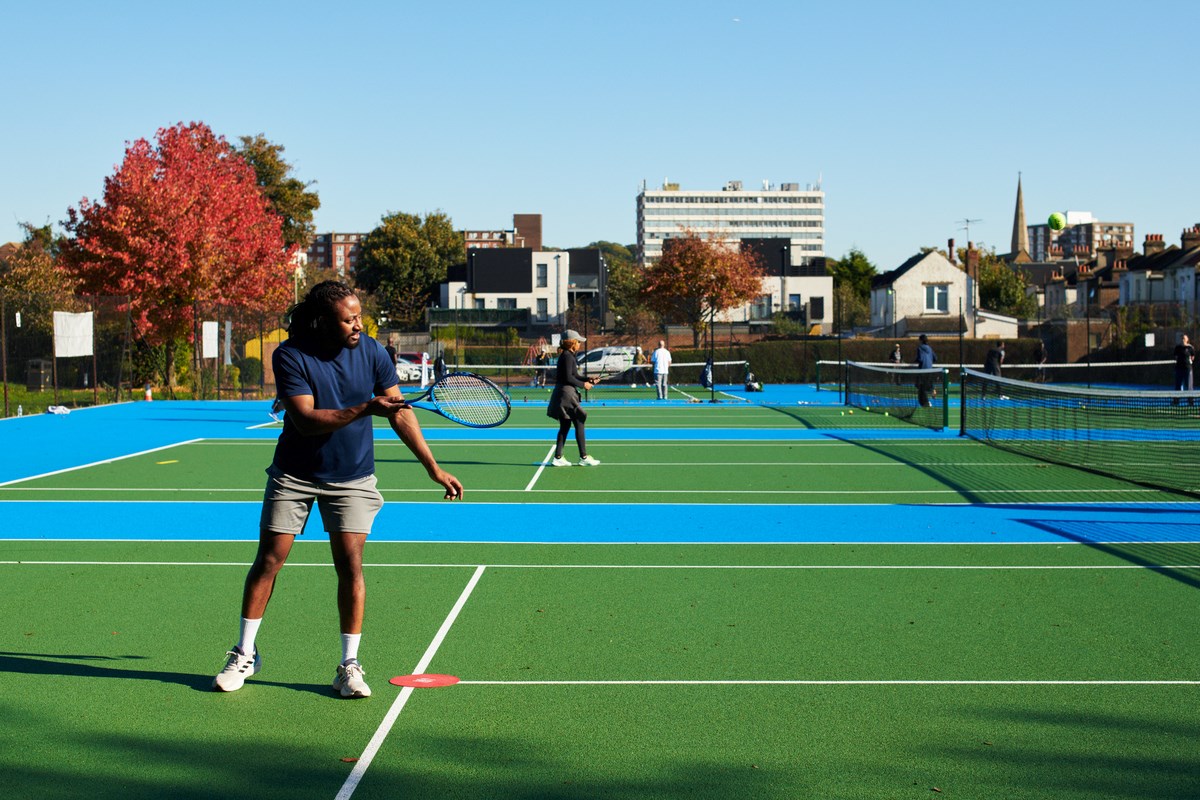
(661, 359)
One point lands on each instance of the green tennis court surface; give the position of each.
(1057, 660)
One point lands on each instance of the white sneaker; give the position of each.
(349, 680)
(239, 667)
(559, 461)
(588, 461)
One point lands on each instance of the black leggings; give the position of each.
(564, 427)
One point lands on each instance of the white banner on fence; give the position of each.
(209, 335)
(72, 334)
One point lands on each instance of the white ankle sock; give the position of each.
(350, 646)
(248, 632)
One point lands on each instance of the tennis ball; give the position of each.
(842, 413)
(852, 411)
(1057, 221)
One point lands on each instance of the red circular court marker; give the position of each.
(429, 681)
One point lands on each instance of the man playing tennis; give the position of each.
(331, 380)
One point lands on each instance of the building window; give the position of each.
(506, 302)
(543, 310)
(937, 298)
(761, 309)
(541, 275)
(793, 302)
(479, 303)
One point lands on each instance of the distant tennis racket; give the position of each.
(465, 398)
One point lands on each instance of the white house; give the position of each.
(923, 295)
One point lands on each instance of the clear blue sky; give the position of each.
(914, 114)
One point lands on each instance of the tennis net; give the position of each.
(1147, 437)
(634, 383)
(919, 396)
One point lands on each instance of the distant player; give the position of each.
(661, 359)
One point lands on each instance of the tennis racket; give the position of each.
(465, 398)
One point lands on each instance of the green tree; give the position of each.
(624, 283)
(1002, 289)
(852, 275)
(404, 259)
(31, 280)
(290, 197)
(853, 270)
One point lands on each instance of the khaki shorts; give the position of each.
(348, 507)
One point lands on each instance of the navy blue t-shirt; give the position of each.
(353, 376)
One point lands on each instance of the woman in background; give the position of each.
(564, 402)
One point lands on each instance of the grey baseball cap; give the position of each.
(573, 335)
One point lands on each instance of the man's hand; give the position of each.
(385, 405)
(454, 489)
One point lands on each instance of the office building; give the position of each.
(773, 212)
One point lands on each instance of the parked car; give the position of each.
(407, 371)
(608, 361)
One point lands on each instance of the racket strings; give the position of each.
(471, 400)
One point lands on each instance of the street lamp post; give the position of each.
(712, 322)
(785, 253)
(891, 309)
(1087, 310)
(558, 291)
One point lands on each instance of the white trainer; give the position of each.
(349, 680)
(239, 667)
(588, 461)
(559, 461)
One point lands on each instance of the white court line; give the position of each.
(98, 463)
(385, 727)
(577, 491)
(541, 468)
(660, 443)
(839, 683)
(764, 567)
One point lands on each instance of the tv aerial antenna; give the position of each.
(965, 225)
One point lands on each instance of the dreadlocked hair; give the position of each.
(321, 302)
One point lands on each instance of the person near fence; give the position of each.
(1185, 357)
(897, 359)
(661, 359)
(332, 380)
(994, 360)
(925, 359)
(565, 404)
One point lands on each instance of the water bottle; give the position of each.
(20, 411)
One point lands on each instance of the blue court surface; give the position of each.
(45, 444)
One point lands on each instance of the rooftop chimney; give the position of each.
(972, 260)
(950, 249)
(1154, 244)
(1191, 237)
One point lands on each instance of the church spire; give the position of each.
(1020, 234)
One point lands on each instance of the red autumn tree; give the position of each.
(698, 276)
(182, 221)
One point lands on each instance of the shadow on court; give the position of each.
(1161, 547)
(87, 666)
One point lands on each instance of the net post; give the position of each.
(818, 371)
(945, 398)
(962, 402)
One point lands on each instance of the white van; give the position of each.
(607, 360)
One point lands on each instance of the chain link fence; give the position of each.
(84, 351)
